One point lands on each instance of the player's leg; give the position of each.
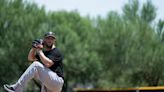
(30, 73)
(51, 81)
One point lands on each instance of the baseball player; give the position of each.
(46, 66)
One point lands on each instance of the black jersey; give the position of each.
(57, 58)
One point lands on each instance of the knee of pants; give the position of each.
(37, 64)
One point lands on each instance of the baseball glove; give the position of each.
(36, 42)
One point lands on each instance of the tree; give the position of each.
(148, 12)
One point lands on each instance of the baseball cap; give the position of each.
(49, 34)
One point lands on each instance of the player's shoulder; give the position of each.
(56, 50)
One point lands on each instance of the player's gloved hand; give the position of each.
(39, 46)
(37, 43)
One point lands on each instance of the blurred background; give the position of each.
(122, 46)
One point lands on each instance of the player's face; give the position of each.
(49, 41)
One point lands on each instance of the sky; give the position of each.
(94, 8)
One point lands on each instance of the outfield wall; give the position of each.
(139, 89)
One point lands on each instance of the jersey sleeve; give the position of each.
(57, 56)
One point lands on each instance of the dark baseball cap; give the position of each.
(49, 34)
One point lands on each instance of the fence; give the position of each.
(139, 89)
